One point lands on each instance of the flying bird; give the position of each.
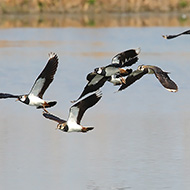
(123, 59)
(76, 113)
(161, 75)
(175, 36)
(112, 72)
(35, 96)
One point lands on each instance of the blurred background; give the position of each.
(141, 138)
(93, 13)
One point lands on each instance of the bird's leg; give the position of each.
(123, 80)
(45, 109)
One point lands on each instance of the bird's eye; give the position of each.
(141, 68)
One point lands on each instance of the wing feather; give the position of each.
(77, 110)
(126, 58)
(53, 117)
(133, 77)
(46, 76)
(95, 82)
(165, 79)
(5, 95)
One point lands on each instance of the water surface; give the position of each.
(141, 135)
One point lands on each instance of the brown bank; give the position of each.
(65, 6)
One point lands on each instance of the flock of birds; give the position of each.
(114, 73)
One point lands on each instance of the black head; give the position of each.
(63, 127)
(100, 70)
(24, 99)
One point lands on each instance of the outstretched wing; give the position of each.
(46, 76)
(95, 81)
(165, 79)
(53, 117)
(5, 95)
(134, 76)
(126, 58)
(174, 36)
(77, 110)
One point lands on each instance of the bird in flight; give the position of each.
(113, 72)
(76, 113)
(161, 75)
(176, 35)
(35, 96)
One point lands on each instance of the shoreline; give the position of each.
(95, 20)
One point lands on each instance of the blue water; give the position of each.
(141, 135)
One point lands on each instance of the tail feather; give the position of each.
(48, 105)
(86, 129)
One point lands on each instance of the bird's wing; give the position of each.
(95, 82)
(46, 76)
(165, 79)
(53, 117)
(174, 36)
(90, 76)
(126, 58)
(131, 78)
(77, 110)
(5, 95)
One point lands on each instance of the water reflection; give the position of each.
(141, 135)
(95, 20)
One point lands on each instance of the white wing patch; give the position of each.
(37, 86)
(138, 50)
(95, 80)
(72, 120)
(73, 114)
(115, 60)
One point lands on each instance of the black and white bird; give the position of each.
(161, 75)
(76, 113)
(176, 35)
(123, 59)
(35, 96)
(96, 81)
(112, 72)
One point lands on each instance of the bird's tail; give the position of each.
(48, 104)
(86, 129)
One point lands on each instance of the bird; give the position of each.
(123, 59)
(35, 96)
(112, 72)
(76, 113)
(161, 75)
(96, 81)
(175, 36)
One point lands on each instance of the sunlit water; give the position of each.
(141, 138)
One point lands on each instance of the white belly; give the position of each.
(73, 127)
(35, 101)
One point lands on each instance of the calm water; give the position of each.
(141, 138)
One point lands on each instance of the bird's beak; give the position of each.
(57, 127)
(17, 100)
